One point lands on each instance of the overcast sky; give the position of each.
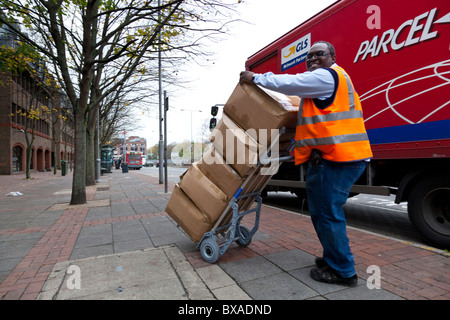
(267, 20)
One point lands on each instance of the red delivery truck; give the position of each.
(398, 56)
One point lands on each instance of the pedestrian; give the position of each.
(331, 137)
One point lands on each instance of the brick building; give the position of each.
(20, 96)
(133, 143)
(16, 99)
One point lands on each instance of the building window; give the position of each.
(17, 159)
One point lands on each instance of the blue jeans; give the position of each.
(328, 185)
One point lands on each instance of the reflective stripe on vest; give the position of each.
(360, 136)
(331, 140)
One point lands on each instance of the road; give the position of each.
(376, 214)
(173, 173)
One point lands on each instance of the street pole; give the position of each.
(192, 138)
(166, 108)
(98, 147)
(160, 149)
(192, 143)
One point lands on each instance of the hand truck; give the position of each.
(228, 227)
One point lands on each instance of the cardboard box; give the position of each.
(237, 148)
(204, 193)
(253, 107)
(256, 183)
(290, 103)
(220, 173)
(208, 186)
(186, 214)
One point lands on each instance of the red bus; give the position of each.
(134, 160)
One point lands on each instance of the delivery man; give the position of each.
(331, 137)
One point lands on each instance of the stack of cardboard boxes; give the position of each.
(240, 138)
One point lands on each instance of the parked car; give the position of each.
(157, 164)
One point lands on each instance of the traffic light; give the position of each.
(214, 110)
(213, 120)
(212, 123)
(166, 103)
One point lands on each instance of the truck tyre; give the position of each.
(429, 210)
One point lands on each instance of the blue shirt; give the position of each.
(311, 84)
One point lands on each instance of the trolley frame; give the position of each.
(215, 242)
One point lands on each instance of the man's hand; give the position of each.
(246, 77)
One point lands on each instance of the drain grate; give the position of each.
(103, 189)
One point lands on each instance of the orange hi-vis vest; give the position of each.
(338, 130)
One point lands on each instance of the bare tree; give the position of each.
(82, 38)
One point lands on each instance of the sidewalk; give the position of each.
(122, 245)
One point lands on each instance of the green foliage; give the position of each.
(17, 59)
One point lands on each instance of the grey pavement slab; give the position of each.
(285, 276)
(99, 213)
(280, 286)
(250, 269)
(157, 273)
(291, 259)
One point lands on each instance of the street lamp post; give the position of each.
(166, 108)
(192, 139)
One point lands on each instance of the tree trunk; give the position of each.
(90, 155)
(55, 171)
(79, 171)
(28, 161)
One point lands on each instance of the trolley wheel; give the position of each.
(244, 239)
(210, 251)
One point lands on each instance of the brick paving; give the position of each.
(408, 271)
(34, 237)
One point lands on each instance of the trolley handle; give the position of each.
(265, 160)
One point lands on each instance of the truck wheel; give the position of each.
(429, 210)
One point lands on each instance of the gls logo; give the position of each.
(295, 53)
(420, 29)
(300, 46)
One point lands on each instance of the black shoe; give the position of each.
(329, 275)
(321, 263)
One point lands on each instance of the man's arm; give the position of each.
(317, 84)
